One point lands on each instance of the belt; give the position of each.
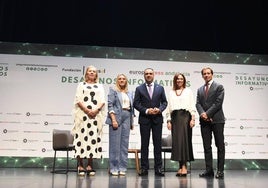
(128, 109)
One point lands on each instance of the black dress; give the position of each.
(182, 149)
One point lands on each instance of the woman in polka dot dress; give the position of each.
(88, 120)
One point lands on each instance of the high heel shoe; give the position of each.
(80, 171)
(90, 171)
(181, 175)
(183, 171)
(178, 173)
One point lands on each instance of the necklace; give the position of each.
(179, 92)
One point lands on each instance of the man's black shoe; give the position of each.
(219, 175)
(143, 172)
(159, 172)
(207, 174)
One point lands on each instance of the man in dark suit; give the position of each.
(150, 118)
(209, 106)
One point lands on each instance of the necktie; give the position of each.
(206, 89)
(150, 90)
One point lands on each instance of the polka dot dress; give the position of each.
(87, 137)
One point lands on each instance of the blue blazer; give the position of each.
(115, 104)
(212, 105)
(142, 102)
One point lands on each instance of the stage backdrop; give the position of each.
(37, 94)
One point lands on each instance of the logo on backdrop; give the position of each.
(76, 75)
(254, 82)
(36, 67)
(3, 70)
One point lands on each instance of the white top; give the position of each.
(184, 101)
(125, 100)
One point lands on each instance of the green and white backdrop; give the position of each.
(38, 83)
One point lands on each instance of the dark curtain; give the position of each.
(185, 25)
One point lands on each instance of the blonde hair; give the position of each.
(94, 68)
(117, 86)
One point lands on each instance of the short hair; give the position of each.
(205, 69)
(148, 69)
(91, 67)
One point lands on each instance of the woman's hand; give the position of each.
(92, 113)
(169, 125)
(192, 123)
(114, 124)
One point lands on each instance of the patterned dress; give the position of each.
(88, 132)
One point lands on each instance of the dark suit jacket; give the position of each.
(212, 105)
(142, 102)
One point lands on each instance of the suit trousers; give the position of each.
(145, 132)
(217, 129)
(118, 144)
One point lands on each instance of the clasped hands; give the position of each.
(205, 117)
(153, 111)
(92, 113)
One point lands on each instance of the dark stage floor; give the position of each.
(42, 178)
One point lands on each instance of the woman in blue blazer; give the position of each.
(120, 121)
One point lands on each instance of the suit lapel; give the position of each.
(120, 97)
(154, 90)
(209, 90)
(146, 90)
(130, 99)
